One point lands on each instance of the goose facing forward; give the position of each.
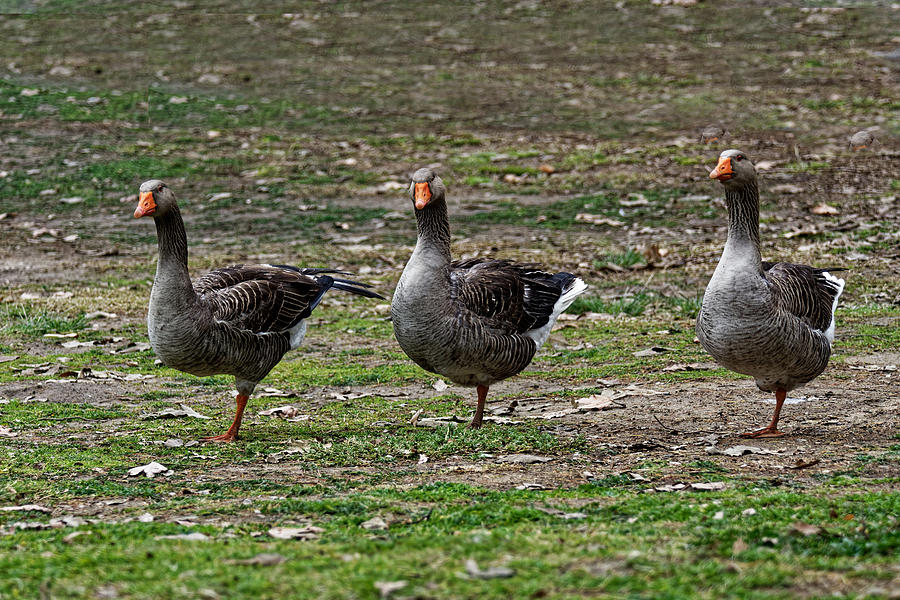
(475, 321)
(773, 321)
(238, 320)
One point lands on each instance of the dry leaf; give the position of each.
(472, 570)
(387, 588)
(286, 411)
(595, 402)
(25, 507)
(786, 188)
(264, 559)
(439, 385)
(739, 546)
(708, 486)
(651, 351)
(598, 220)
(309, 532)
(524, 459)
(271, 392)
(7, 432)
(741, 450)
(188, 537)
(150, 470)
(173, 413)
(374, 524)
(805, 529)
(824, 209)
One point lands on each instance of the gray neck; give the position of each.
(172, 268)
(743, 222)
(433, 227)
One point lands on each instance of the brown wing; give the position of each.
(260, 298)
(804, 291)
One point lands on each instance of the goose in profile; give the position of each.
(238, 320)
(475, 321)
(772, 321)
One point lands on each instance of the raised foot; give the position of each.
(220, 439)
(766, 432)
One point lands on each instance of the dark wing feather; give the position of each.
(512, 298)
(803, 291)
(261, 298)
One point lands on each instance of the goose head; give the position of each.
(426, 187)
(156, 199)
(734, 169)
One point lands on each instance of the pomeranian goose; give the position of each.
(712, 133)
(773, 321)
(474, 321)
(238, 320)
(861, 140)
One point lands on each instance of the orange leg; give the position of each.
(772, 429)
(479, 410)
(232, 433)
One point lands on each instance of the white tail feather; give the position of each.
(839, 283)
(541, 334)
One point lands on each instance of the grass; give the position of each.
(30, 321)
(625, 543)
(632, 305)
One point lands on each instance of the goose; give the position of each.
(711, 133)
(475, 321)
(773, 321)
(861, 140)
(238, 320)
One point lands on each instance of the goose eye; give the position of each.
(740, 157)
(159, 188)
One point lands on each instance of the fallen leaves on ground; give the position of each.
(25, 507)
(653, 351)
(310, 532)
(711, 486)
(150, 470)
(176, 413)
(188, 537)
(524, 459)
(386, 589)
(598, 220)
(805, 529)
(824, 209)
(561, 513)
(264, 559)
(287, 411)
(474, 571)
(374, 524)
(741, 450)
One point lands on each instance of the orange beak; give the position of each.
(146, 205)
(421, 195)
(723, 171)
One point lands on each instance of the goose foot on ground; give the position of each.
(232, 434)
(766, 432)
(772, 429)
(479, 410)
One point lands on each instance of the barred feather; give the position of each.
(471, 321)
